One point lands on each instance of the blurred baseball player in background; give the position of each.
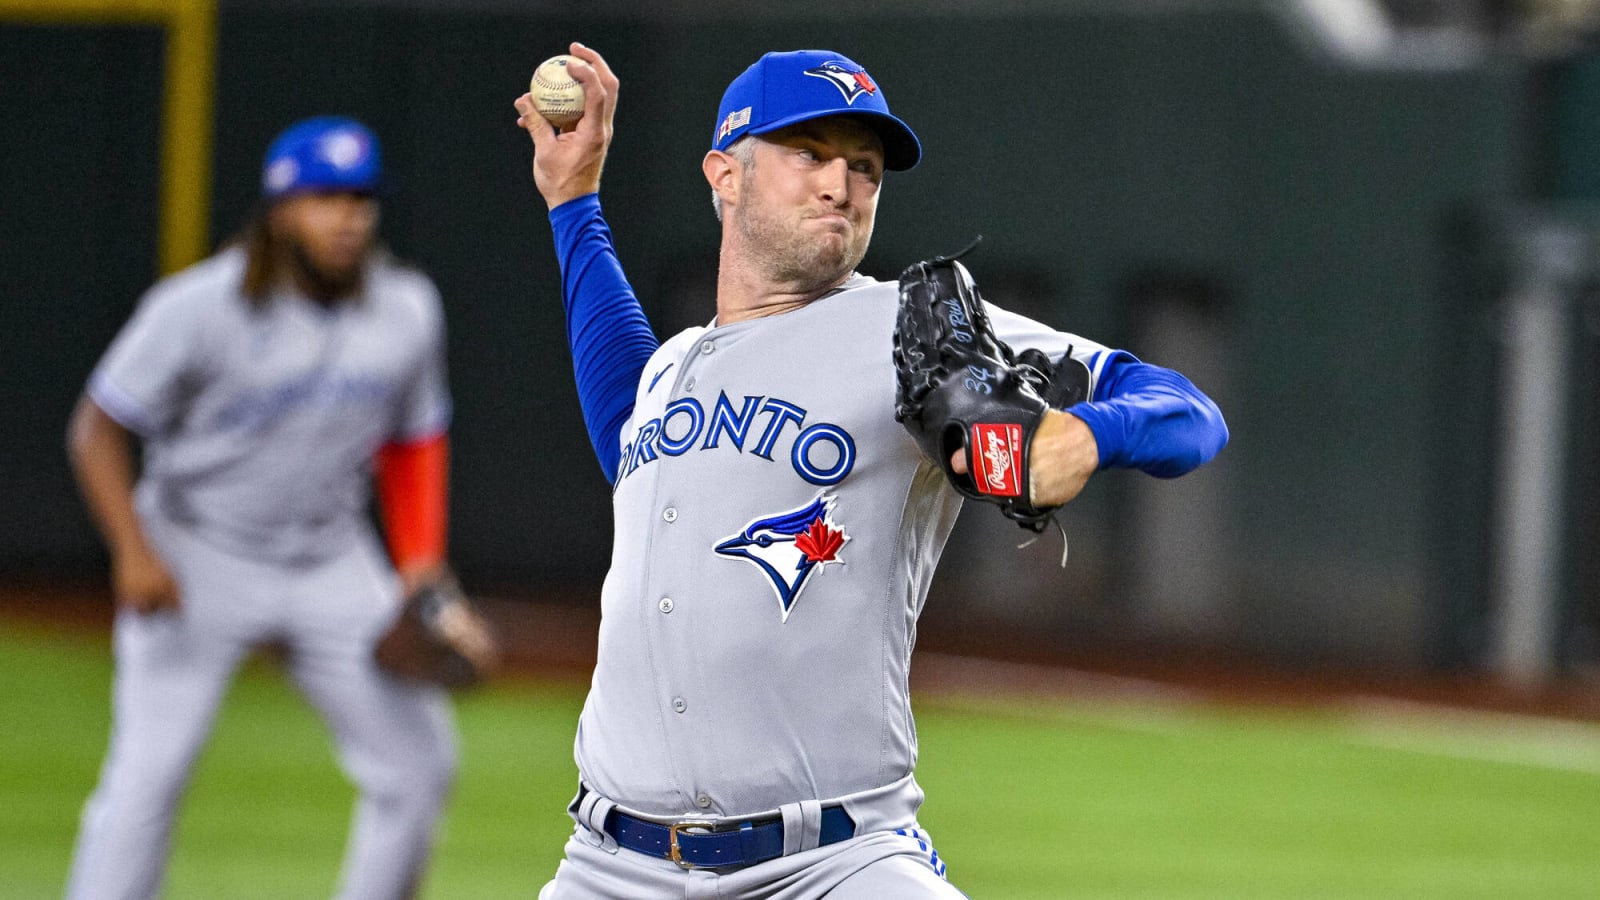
(265, 384)
(748, 731)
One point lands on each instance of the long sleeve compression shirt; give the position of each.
(610, 337)
(1143, 416)
(1152, 419)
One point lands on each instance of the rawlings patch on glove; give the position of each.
(960, 388)
(439, 636)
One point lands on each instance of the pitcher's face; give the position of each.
(809, 198)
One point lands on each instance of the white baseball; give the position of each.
(556, 94)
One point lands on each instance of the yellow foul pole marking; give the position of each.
(186, 105)
(186, 134)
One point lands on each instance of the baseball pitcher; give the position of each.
(784, 480)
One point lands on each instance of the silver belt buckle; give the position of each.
(675, 852)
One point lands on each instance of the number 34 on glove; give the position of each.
(959, 388)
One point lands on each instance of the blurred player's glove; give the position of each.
(959, 387)
(438, 636)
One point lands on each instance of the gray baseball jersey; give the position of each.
(776, 532)
(258, 427)
(260, 423)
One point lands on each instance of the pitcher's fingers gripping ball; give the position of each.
(556, 94)
(959, 388)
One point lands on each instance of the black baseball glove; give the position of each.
(439, 636)
(959, 387)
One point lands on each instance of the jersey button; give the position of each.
(707, 347)
(679, 704)
(688, 383)
(665, 604)
(670, 514)
(703, 801)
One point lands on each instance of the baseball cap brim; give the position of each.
(901, 149)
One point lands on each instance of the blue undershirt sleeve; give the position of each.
(610, 337)
(1152, 419)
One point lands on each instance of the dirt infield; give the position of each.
(554, 637)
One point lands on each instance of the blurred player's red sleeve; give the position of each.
(413, 493)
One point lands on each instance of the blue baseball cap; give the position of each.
(326, 153)
(780, 89)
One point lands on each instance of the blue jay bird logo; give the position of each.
(789, 546)
(851, 84)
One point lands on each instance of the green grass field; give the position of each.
(1027, 798)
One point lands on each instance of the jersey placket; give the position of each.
(667, 603)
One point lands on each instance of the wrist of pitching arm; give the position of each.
(413, 494)
(1152, 419)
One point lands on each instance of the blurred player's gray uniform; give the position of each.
(259, 424)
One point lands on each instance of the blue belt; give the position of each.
(733, 843)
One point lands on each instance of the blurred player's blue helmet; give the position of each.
(327, 153)
(780, 89)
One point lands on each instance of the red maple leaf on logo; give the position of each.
(866, 83)
(819, 542)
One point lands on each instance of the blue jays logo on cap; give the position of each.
(782, 89)
(789, 546)
(850, 79)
